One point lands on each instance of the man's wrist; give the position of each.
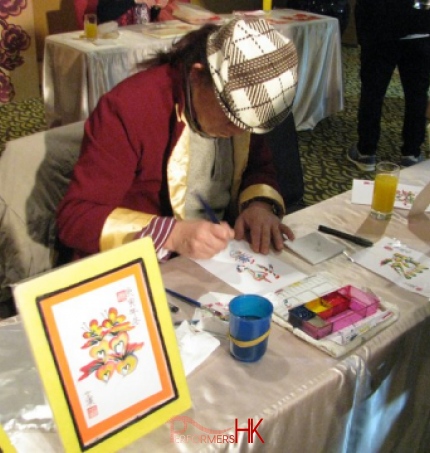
(275, 208)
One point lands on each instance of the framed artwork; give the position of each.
(104, 343)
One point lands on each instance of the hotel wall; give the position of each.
(18, 66)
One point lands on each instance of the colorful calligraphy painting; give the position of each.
(398, 263)
(251, 272)
(404, 265)
(115, 348)
(109, 345)
(242, 257)
(259, 273)
(248, 263)
(405, 197)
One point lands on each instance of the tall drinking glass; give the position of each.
(267, 5)
(90, 26)
(384, 190)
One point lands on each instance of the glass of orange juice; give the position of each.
(384, 190)
(90, 26)
(267, 5)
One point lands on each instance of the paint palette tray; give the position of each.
(333, 312)
(332, 316)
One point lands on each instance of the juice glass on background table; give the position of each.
(267, 5)
(384, 190)
(90, 26)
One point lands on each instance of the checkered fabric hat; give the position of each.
(254, 69)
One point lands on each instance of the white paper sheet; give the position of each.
(362, 192)
(249, 272)
(398, 263)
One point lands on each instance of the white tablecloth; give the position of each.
(76, 73)
(375, 399)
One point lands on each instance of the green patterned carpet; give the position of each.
(326, 170)
(21, 118)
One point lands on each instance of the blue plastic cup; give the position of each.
(250, 317)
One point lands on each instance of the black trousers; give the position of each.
(378, 61)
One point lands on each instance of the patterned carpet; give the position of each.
(326, 170)
(18, 119)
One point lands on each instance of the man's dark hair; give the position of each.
(189, 50)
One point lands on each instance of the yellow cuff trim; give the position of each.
(262, 191)
(121, 227)
(250, 343)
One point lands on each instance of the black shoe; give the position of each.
(364, 163)
(407, 161)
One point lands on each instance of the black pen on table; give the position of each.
(209, 211)
(349, 237)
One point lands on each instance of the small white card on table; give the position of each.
(315, 248)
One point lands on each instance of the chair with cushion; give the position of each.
(34, 174)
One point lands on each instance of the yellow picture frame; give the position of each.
(101, 332)
(5, 443)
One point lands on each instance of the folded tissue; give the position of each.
(108, 30)
(195, 347)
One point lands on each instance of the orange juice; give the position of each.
(267, 5)
(384, 194)
(90, 30)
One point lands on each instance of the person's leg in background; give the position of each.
(377, 64)
(414, 70)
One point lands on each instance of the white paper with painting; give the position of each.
(398, 263)
(250, 272)
(106, 341)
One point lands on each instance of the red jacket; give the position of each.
(124, 159)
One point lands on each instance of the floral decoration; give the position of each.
(109, 347)
(13, 40)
